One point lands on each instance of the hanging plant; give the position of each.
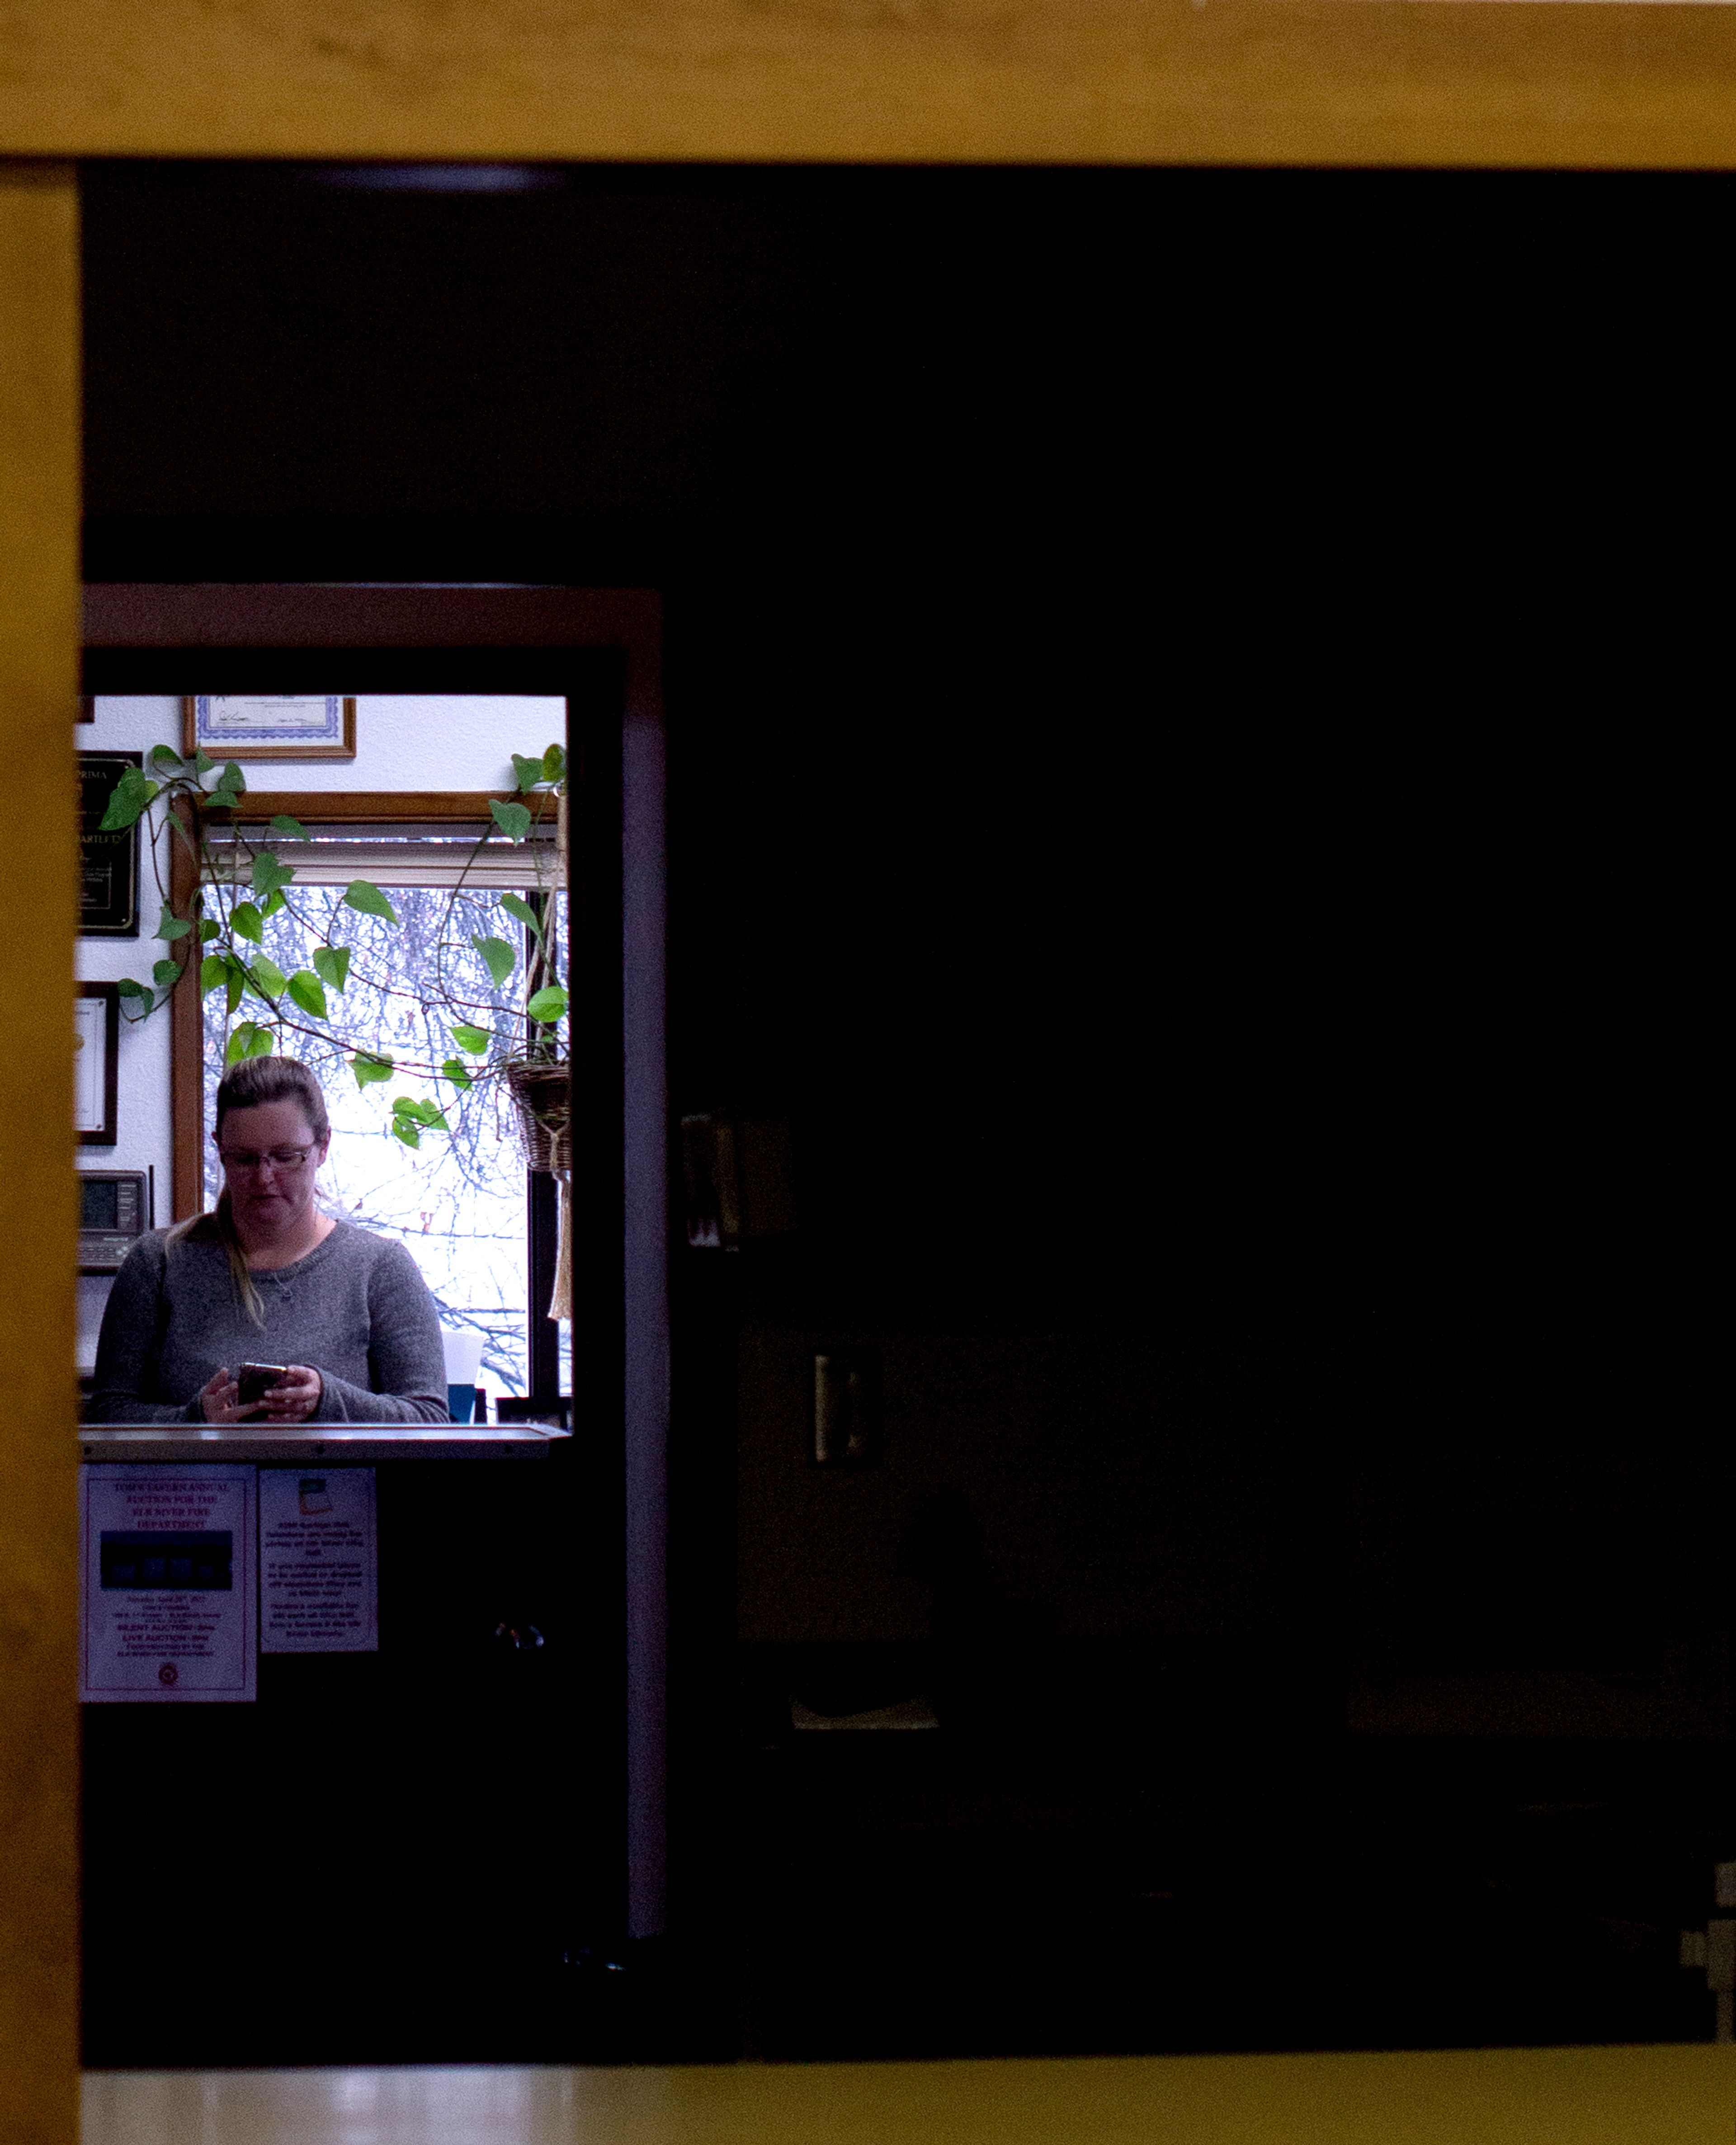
(239, 885)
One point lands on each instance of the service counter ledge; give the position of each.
(356, 1444)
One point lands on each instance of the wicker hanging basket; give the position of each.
(542, 1098)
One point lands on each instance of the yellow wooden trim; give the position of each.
(1260, 82)
(39, 598)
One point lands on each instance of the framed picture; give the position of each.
(108, 864)
(96, 1049)
(269, 725)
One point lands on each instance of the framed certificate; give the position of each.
(269, 725)
(108, 864)
(95, 1041)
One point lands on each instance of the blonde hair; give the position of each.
(246, 1086)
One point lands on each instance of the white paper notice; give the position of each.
(318, 1583)
(167, 1583)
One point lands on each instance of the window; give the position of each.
(462, 1201)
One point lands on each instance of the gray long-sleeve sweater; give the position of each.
(356, 1309)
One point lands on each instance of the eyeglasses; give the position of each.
(284, 1160)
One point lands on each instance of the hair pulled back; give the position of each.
(246, 1086)
(256, 1080)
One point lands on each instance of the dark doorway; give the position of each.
(1186, 801)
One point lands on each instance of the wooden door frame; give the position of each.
(1495, 83)
(1417, 82)
(39, 493)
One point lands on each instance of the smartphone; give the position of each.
(256, 1380)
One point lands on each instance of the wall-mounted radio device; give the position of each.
(114, 1212)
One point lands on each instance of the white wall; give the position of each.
(402, 742)
(407, 742)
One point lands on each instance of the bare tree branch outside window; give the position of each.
(459, 1202)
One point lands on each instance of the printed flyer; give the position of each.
(168, 1580)
(318, 1585)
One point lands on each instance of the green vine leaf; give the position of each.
(554, 763)
(269, 874)
(499, 956)
(266, 977)
(369, 1067)
(208, 930)
(331, 965)
(522, 911)
(406, 1131)
(526, 772)
(457, 1075)
(237, 977)
(474, 1040)
(244, 921)
(203, 761)
(513, 820)
(252, 1038)
(172, 927)
(128, 799)
(128, 991)
(409, 1109)
(273, 903)
(290, 827)
(165, 756)
(548, 1005)
(308, 993)
(369, 900)
(165, 974)
(213, 969)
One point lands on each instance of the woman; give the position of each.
(269, 1278)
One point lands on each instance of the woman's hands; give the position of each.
(297, 1397)
(292, 1401)
(219, 1398)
